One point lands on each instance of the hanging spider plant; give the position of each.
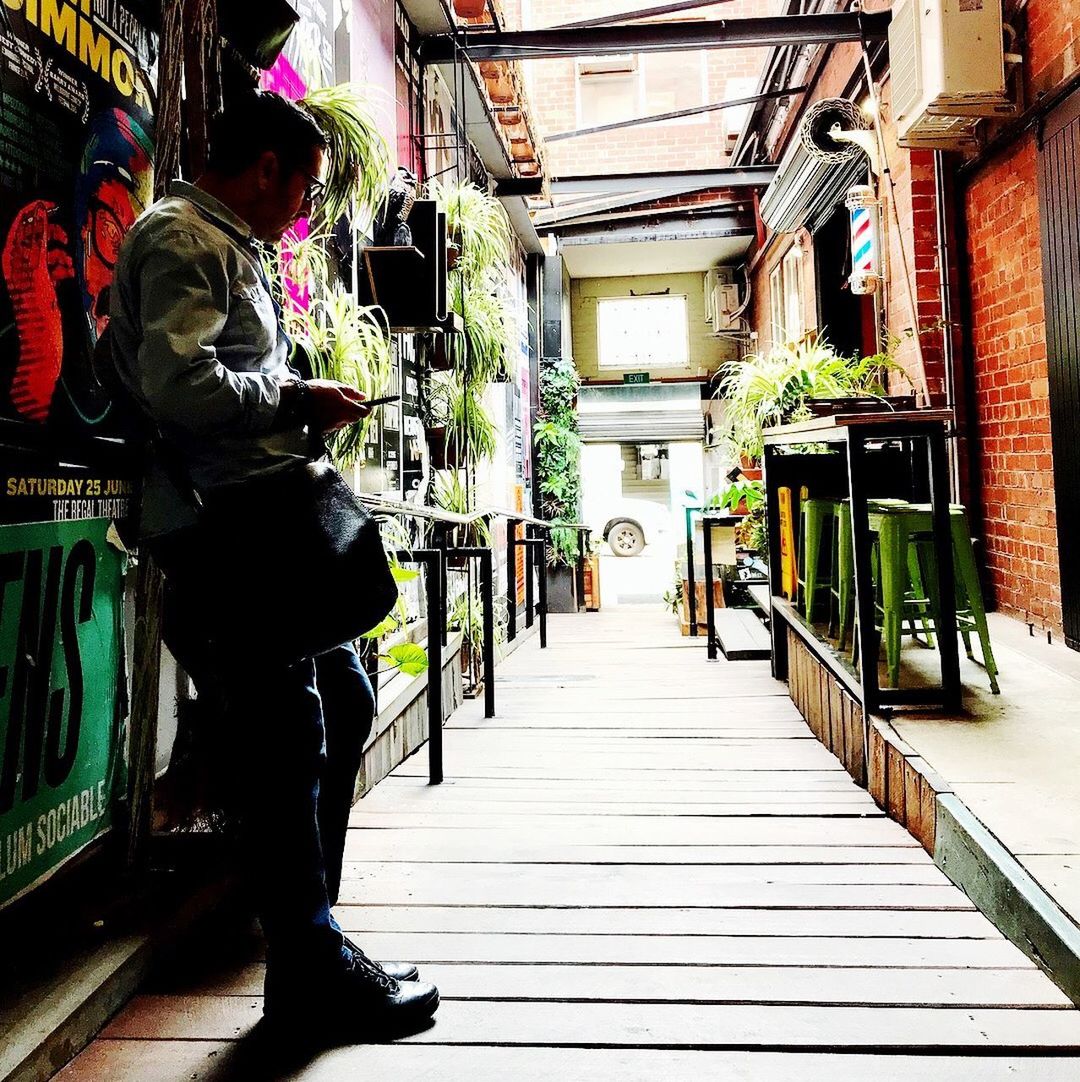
(450, 493)
(350, 343)
(481, 352)
(477, 223)
(358, 156)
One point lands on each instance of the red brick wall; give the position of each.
(697, 144)
(1008, 336)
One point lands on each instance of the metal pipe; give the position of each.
(710, 610)
(529, 592)
(543, 591)
(511, 579)
(948, 344)
(487, 593)
(657, 118)
(691, 583)
(432, 562)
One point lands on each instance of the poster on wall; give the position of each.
(61, 718)
(76, 170)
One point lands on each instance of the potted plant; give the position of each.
(558, 468)
(765, 390)
(349, 343)
(358, 158)
(476, 224)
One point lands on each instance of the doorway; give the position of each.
(1059, 173)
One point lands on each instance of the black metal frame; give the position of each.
(434, 593)
(854, 440)
(708, 522)
(566, 42)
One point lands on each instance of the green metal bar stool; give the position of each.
(970, 605)
(843, 588)
(819, 517)
(898, 582)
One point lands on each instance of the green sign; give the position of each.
(635, 377)
(61, 740)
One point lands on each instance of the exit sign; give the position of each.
(635, 377)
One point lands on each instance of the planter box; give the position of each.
(699, 590)
(562, 589)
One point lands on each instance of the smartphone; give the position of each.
(384, 401)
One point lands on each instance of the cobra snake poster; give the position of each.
(76, 170)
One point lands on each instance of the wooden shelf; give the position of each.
(833, 428)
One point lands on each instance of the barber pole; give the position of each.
(865, 239)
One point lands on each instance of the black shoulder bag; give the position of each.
(294, 565)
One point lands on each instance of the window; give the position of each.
(643, 332)
(776, 304)
(627, 86)
(786, 298)
(793, 295)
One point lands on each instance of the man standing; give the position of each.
(197, 342)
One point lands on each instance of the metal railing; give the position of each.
(435, 560)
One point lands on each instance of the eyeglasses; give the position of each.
(315, 189)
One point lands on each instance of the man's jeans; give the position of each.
(294, 740)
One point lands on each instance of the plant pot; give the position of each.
(830, 407)
(562, 589)
(469, 9)
(439, 359)
(440, 456)
(453, 254)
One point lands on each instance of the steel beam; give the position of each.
(676, 114)
(749, 176)
(660, 37)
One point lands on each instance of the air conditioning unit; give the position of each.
(721, 295)
(947, 61)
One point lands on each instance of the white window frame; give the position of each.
(776, 304)
(679, 359)
(794, 322)
(639, 61)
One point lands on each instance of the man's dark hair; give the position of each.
(257, 122)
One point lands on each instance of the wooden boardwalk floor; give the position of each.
(646, 867)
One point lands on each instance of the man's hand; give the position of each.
(332, 405)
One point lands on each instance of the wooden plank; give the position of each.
(973, 858)
(748, 894)
(212, 1061)
(696, 950)
(894, 792)
(877, 772)
(741, 635)
(655, 1025)
(646, 830)
(704, 984)
(642, 921)
(389, 846)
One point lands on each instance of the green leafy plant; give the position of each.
(762, 391)
(673, 598)
(743, 491)
(476, 223)
(358, 158)
(481, 352)
(558, 457)
(350, 343)
(450, 493)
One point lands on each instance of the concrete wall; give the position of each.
(706, 353)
